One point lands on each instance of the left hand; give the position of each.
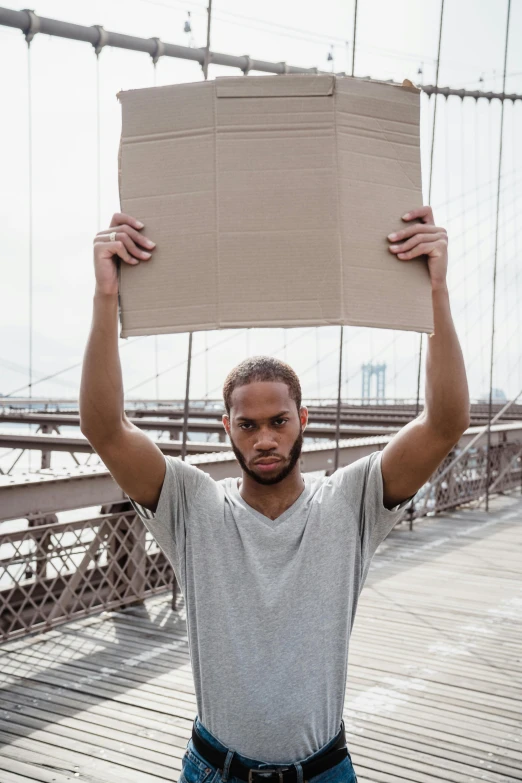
(423, 239)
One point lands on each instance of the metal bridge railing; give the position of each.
(461, 479)
(53, 573)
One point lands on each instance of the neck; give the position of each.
(272, 500)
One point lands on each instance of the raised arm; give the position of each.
(135, 462)
(416, 451)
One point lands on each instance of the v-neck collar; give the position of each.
(296, 505)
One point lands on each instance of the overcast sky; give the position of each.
(394, 39)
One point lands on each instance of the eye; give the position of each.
(280, 422)
(246, 427)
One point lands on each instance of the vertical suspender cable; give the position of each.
(417, 403)
(478, 224)
(189, 358)
(354, 37)
(338, 418)
(184, 441)
(156, 363)
(187, 397)
(341, 337)
(207, 47)
(518, 294)
(419, 368)
(156, 366)
(495, 258)
(159, 51)
(436, 97)
(464, 206)
(98, 143)
(30, 216)
(98, 46)
(317, 369)
(206, 364)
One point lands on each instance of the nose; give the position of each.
(265, 441)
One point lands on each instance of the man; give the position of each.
(271, 566)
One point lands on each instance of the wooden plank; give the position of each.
(414, 711)
(97, 733)
(432, 692)
(94, 720)
(69, 741)
(38, 755)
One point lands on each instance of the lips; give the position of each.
(267, 463)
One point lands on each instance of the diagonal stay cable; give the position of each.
(184, 361)
(65, 369)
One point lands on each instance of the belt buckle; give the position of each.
(267, 772)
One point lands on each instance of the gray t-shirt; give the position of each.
(270, 603)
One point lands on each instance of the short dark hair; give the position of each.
(261, 368)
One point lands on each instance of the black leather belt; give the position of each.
(277, 773)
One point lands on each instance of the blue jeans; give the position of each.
(194, 768)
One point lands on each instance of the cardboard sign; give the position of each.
(270, 199)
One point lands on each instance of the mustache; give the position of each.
(291, 461)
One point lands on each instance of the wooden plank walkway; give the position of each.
(434, 681)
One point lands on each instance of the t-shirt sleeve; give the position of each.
(363, 486)
(181, 484)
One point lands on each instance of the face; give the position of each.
(266, 430)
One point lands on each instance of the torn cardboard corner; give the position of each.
(270, 199)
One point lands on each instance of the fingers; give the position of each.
(424, 238)
(117, 248)
(128, 244)
(131, 247)
(119, 219)
(415, 228)
(424, 213)
(418, 239)
(425, 248)
(131, 238)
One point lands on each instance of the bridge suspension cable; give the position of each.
(96, 35)
(31, 24)
(495, 259)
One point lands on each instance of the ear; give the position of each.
(226, 423)
(303, 416)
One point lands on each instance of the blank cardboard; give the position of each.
(270, 199)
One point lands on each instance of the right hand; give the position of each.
(129, 245)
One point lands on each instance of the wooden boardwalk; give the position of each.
(434, 681)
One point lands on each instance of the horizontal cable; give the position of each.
(31, 24)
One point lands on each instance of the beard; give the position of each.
(295, 453)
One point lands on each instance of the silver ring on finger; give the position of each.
(112, 236)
